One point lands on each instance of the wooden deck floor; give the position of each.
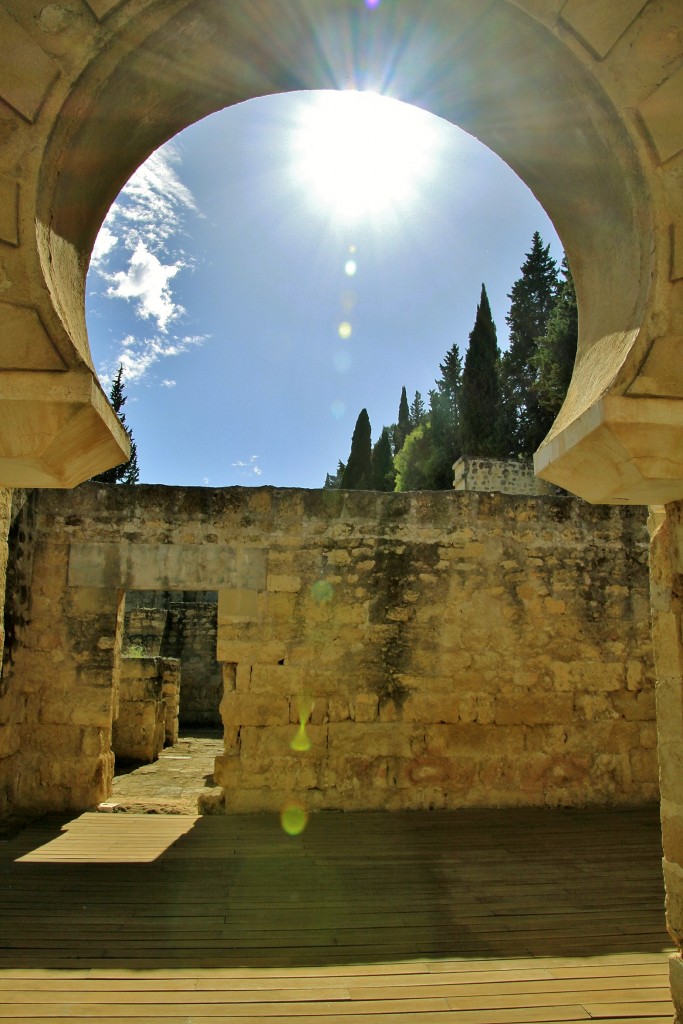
(420, 918)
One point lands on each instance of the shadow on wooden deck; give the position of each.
(152, 892)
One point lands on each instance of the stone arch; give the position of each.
(543, 84)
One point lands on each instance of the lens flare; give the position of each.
(322, 591)
(348, 300)
(338, 409)
(350, 268)
(293, 818)
(342, 362)
(304, 706)
(345, 330)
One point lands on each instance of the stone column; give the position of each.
(5, 507)
(666, 580)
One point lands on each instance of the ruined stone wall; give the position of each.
(666, 576)
(191, 636)
(180, 625)
(458, 649)
(18, 527)
(509, 476)
(148, 708)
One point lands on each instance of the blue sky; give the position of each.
(286, 262)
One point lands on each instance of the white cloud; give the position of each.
(138, 355)
(248, 467)
(139, 231)
(147, 281)
(105, 242)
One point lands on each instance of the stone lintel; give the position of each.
(129, 566)
(621, 451)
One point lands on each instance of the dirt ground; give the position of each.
(173, 783)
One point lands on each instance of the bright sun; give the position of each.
(362, 155)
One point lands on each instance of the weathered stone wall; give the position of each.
(19, 530)
(666, 581)
(191, 636)
(181, 625)
(509, 476)
(458, 649)
(139, 728)
(5, 511)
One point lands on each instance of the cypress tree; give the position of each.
(532, 298)
(358, 472)
(480, 392)
(403, 426)
(128, 472)
(383, 473)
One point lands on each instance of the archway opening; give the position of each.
(290, 261)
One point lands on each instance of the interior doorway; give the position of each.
(168, 731)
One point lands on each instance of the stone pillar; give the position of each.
(666, 580)
(5, 507)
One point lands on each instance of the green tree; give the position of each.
(358, 472)
(418, 411)
(403, 426)
(480, 392)
(128, 472)
(413, 461)
(533, 295)
(556, 351)
(383, 473)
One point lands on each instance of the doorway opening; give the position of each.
(168, 731)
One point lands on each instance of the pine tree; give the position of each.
(358, 473)
(480, 392)
(532, 298)
(403, 426)
(383, 473)
(418, 411)
(556, 352)
(128, 472)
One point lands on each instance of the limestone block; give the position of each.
(427, 708)
(237, 606)
(536, 709)
(354, 774)
(262, 708)
(258, 743)
(9, 740)
(364, 707)
(377, 738)
(669, 698)
(280, 607)
(269, 653)
(276, 678)
(670, 755)
(600, 25)
(660, 112)
(673, 878)
(437, 773)
(449, 739)
(283, 583)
